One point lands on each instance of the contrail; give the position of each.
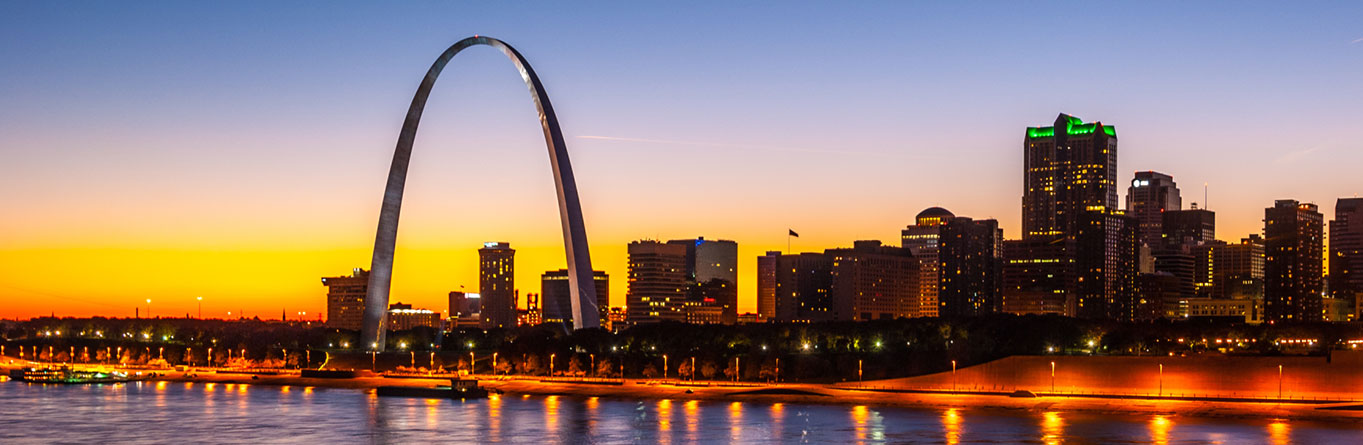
(740, 146)
(1356, 41)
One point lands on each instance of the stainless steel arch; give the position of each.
(581, 286)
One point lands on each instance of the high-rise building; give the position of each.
(712, 274)
(345, 299)
(1039, 276)
(558, 302)
(970, 255)
(873, 282)
(960, 263)
(658, 282)
(533, 314)
(1239, 270)
(922, 239)
(463, 304)
(1070, 220)
(1191, 226)
(804, 284)
(1293, 245)
(1150, 195)
(1068, 169)
(1346, 253)
(497, 285)
(766, 285)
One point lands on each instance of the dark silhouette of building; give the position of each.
(1346, 252)
(712, 274)
(1293, 245)
(557, 299)
(1150, 195)
(1184, 250)
(658, 282)
(464, 304)
(1039, 276)
(1239, 270)
(1191, 226)
(345, 299)
(1070, 219)
(497, 285)
(804, 284)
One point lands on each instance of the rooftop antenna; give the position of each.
(1205, 204)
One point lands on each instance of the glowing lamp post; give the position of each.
(593, 358)
(551, 365)
(201, 307)
(664, 366)
(953, 372)
(953, 375)
(494, 363)
(1052, 377)
(1280, 381)
(473, 362)
(1161, 379)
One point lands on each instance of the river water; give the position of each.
(165, 412)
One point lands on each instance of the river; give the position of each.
(165, 412)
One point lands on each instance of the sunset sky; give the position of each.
(237, 151)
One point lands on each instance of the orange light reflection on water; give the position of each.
(735, 421)
(951, 423)
(494, 417)
(1279, 432)
(551, 413)
(1159, 429)
(1052, 428)
(859, 421)
(665, 421)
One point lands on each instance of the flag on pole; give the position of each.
(792, 233)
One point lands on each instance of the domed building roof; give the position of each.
(935, 212)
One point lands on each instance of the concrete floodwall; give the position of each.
(1208, 375)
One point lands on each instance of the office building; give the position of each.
(1239, 269)
(558, 302)
(922, 239)
(1149, 196)
(873, 282)
(804, 284)
(463, 304)
(497, 285)
(1293, 246)
(1346, 252)
(402, 317)
(659, 282)
(1068, 169)
(766, 284)
(345, 299)
(712, 274)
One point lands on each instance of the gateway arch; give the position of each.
(581, 286)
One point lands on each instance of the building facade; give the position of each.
(497, 285)
(923, 240)
(1149, 196)
(712, 274)
(1293, 247)
(658, 282)
(402, 317)
(766, 284)
(873, 282)
(345, 299)
(1346, 252)
(558, 302)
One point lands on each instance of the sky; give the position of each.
(237, 151)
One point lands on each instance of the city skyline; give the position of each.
(105, 224)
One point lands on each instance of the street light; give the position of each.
(593, 356)
(1280, 381)
(664, 366)
(551, 365)
(201, 307)
(1052, 377)
(1161, 379)
(148, 308)
(953, 375)
(473, 362)
(494, 363)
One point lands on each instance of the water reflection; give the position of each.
(951, 424)
(1279, 432)
(1159, 430)
(1052, 428)
(152, 413)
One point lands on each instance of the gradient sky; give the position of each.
(237, 151)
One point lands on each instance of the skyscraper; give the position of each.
(658, 282)
(1346, 252)
(1076, 243)
(557, 300)
(497, 284)
(1193, 226)
(345, 299)
(712, 274)
(1150, 195)
(1239, 269)
(1293, 245)
(922, 239)
(960, 263)
(1068, 168)
(766, 285)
